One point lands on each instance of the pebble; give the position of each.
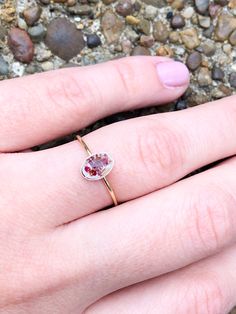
(21, 23)
(32, 15)
(140, 51)
(47, 66)
(156, 3)
(204, 77)
(64, 39)
(3, 32)
(132, 20)
(126, 46)
(160, 32)
(202, 6)
(214, 9)
(107, 2)
(232, 38)
(177, 4)
(194, 60)
(37, 32)
(150, 12)
(208, 32)
(112, 26)
(164, 51)
(225, 26)
(232, 4)
(222, 2)
(17, 68)
(93, 40)
(80, 9)
(232, 79)
(146, 41)
(190, 38)
(204, 21)
(174, 37)
(125, 7)
(180, 105)
(21, 45)
(144, 26)
(217, 74)
(227, 48)
(188, 13)
(177, 21)
(209, 48)
(4, 66)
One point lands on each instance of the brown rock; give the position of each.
(140, 51)
(32, 15)
(225, 26)
(232, 38)
(146, 41)
(160, 32)
(164, 51)
(232, 4)
(204, 77)
(177, 4)
(112, 26)
(124, 7)
(190, 38)
(21, 45)
(177, 21)
(194, 60)
(64, 39)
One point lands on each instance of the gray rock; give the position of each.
(4, 67)
(232, 79)
(37, 33)
(156, 3)
(202, 6)
(217, 74)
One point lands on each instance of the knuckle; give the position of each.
(70, 92)
(126, 74)
(210, 221)
(204, 295)
(159, 149)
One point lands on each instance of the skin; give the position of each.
(169, 247)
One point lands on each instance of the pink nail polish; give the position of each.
(173, 74)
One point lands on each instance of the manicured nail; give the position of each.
(173, 74)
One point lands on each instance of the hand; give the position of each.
(169, 248)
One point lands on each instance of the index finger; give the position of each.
(42, 107)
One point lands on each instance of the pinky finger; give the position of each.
(206, 287)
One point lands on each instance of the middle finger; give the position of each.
(150, 153)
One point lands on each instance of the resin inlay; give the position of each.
(97, 166)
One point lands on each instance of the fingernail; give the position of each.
(173, 74)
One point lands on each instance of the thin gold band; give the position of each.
(107, 184)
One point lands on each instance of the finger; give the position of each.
(206, 287)
(44, 106)
(158, 233)
(149, 152)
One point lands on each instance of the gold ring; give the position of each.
(96, 167)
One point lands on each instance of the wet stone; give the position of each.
(63, 38)
(21, 45)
